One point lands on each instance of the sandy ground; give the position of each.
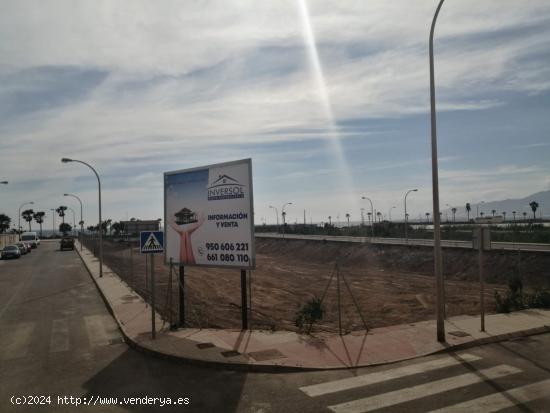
(391, 285)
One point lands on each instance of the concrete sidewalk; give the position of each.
(288, 351)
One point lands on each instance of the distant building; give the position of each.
(134, 227)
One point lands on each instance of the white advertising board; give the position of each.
(209, 216)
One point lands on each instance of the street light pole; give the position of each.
(74, 223)
(389, 212)
(53, 221)
(81, 220)
(372, 213)
(19, 217)
(406, 215)
(66, 160)
(283, 215)
(438, 264)
(276, 216)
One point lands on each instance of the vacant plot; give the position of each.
(391, 284)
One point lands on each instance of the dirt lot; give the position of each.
(391, 284)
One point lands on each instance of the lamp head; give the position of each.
(415, 190)
(4, 182)
(66, 160)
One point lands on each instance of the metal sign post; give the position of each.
(152, 242)
(244, 301)
(181, 290)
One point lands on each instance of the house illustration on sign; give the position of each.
(225, 180)
(185, 216)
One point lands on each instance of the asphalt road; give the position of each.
(57, 339)
(510, 246)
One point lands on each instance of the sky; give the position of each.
(330, 99)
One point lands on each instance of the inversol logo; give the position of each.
(225, 187)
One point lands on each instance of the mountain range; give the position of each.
(508, 205)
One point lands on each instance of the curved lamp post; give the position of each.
(283, 215)
(389, 212)
(66, 160)
(407, 215)
(372, 214)
(438, 263)
(74, 223)
(81, 221)
(276, 216)
(19, 217)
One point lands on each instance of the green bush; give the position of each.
(311, 312)
(540, 299)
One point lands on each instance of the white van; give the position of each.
(31, 237)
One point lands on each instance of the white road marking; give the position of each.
(378, 377)
(499, 401)
(59, 339)
(16, 344)
(423, 390)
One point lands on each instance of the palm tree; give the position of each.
(4, 223)
(524, 214)
(329, 220)
(468, 209)
(482, 213)
(28, 215)
(39, 218)
(61, 211)
(504, 215)
(534, 205)
(347, 216)
(379, 215)
(370, 216)
(427, 217)
(514, 214)
(453, 210)
(494, 212)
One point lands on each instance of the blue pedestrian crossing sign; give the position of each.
(151, 242)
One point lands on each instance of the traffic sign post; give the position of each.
(152, 242)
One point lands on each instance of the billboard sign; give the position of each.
(209, 216)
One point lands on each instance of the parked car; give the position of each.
(31, 237)
(22, 247)
(66, 243)
(10, 251)
(28, 245)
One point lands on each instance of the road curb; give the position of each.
(275, 368)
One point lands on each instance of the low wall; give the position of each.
(7, 239)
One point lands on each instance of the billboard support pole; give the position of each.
(244, 301)
(182, 297)
(153, 329)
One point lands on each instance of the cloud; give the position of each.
(139, 88)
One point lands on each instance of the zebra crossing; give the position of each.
(394, 399)
(18, 340)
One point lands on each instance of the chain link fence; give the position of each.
(358, 284)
